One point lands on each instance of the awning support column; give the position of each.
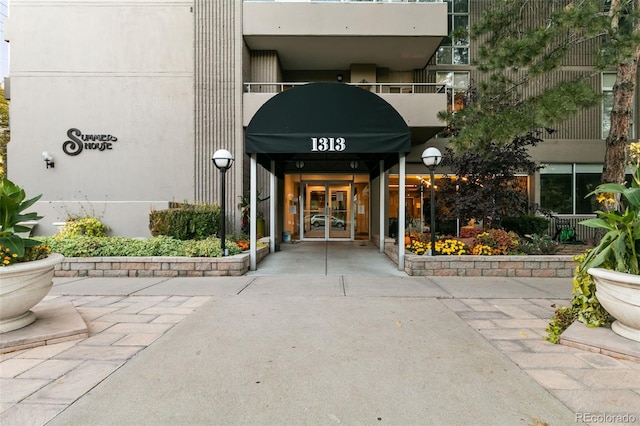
(253, 214)
(382, 208)
(401, 212)
(272, 208)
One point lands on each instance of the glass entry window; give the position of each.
(326, 207)
(328, 212)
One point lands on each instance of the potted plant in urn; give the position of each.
(26, 266)
(614, 264)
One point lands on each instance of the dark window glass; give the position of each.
(461, 6)
(555, 193)
(461, 56)
(444, 55)
(585, 184)
(461, 28)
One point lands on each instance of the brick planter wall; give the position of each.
(157, 266)
(549, 266)
(237, 265)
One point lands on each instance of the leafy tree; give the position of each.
(522, 42)
(4, 133)
(485, 187)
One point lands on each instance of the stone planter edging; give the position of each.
(551, 266)
(158, 266)
(547, 266)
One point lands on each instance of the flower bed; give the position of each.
(158, 266)
(549, 266)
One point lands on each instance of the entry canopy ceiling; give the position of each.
(326, 126)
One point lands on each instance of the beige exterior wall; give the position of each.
(121, 69)
(330, 19)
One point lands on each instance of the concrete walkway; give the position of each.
(315, 349)
(328, 258)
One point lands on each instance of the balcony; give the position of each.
(417, 103)
(334, 35)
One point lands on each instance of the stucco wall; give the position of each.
(120, 70)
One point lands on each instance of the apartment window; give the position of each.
(563, 188)
(455, 48)
(608, 80)
(459, 83)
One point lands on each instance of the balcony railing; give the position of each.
(381, 88)
(353, 1)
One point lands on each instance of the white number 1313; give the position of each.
(328, 144)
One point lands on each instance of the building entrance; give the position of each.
(327, 207)
(328, 211)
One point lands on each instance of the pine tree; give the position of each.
(521, 43)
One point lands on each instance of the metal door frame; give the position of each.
(350, 209)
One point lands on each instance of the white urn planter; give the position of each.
(22, 286)
(619, 294)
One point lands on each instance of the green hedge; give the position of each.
(525, 225)
(186, 222)
(87, 246)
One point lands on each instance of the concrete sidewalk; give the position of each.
(296, 349)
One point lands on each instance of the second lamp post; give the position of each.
(431, 157)
(223, 160)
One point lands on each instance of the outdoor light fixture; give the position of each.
(431, 157)
(353, 164)
(48, 160)
(339, 78)
(299, 164)
(222, 160)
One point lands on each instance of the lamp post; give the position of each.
(222, 160)
(431, 157)
(421, 207)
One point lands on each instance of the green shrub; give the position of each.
(79, 246)
(525, 225)
(86, 246)
(562, 319)
(585, 306)
(209, 247)
(83, 246)
(89, 226)
(163, 246)
(536, 244)
(188, 222)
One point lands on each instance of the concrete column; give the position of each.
(401, 211)
(272, 208)
(253, 216)
(382, 206)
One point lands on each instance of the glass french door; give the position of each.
(328, 211)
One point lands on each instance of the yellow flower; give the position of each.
(634, 153)
(483, 250)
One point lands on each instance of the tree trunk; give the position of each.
(623, 91)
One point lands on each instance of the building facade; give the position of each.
(132, 98)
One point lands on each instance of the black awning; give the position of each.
(321, 120)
